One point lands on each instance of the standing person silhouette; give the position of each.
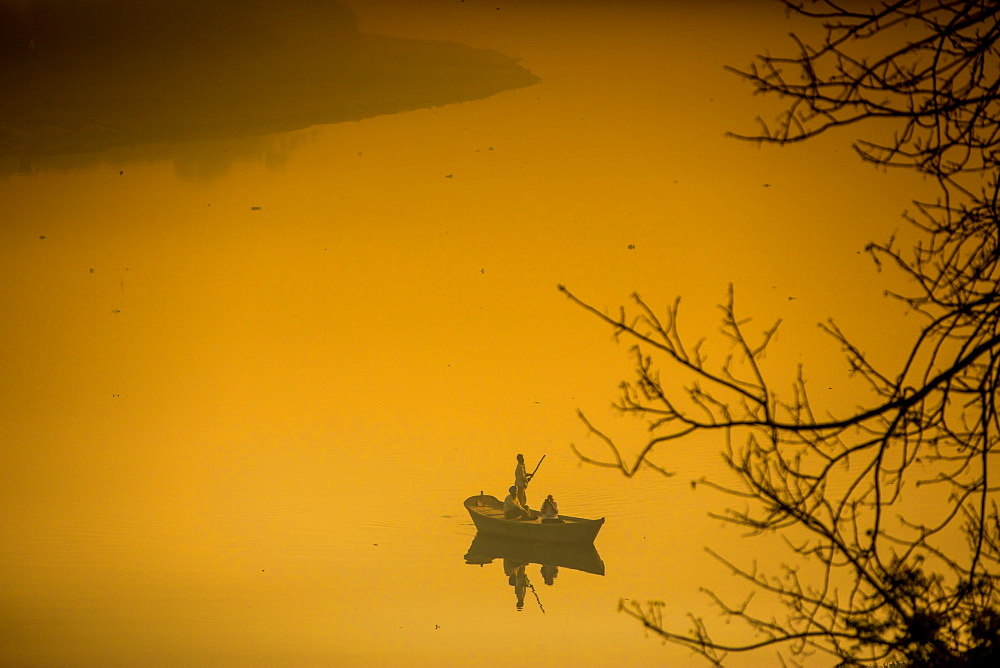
(521, 480)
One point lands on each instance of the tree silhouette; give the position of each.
(870, 578)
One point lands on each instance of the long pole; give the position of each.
(534, 592)
(536, 468)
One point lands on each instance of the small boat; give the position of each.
(575, 556)
(487, 514)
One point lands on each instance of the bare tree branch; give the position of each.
(869, 576)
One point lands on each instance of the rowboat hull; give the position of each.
(487, 514)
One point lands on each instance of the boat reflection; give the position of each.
(518, 555)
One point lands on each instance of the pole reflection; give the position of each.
(517, 555)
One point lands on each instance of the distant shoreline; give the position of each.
(70, 100)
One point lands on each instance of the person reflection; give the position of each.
(549, 573)
(517, 577)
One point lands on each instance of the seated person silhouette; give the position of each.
(512, 508)
(550, 511)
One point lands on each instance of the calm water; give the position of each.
(248, 382)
